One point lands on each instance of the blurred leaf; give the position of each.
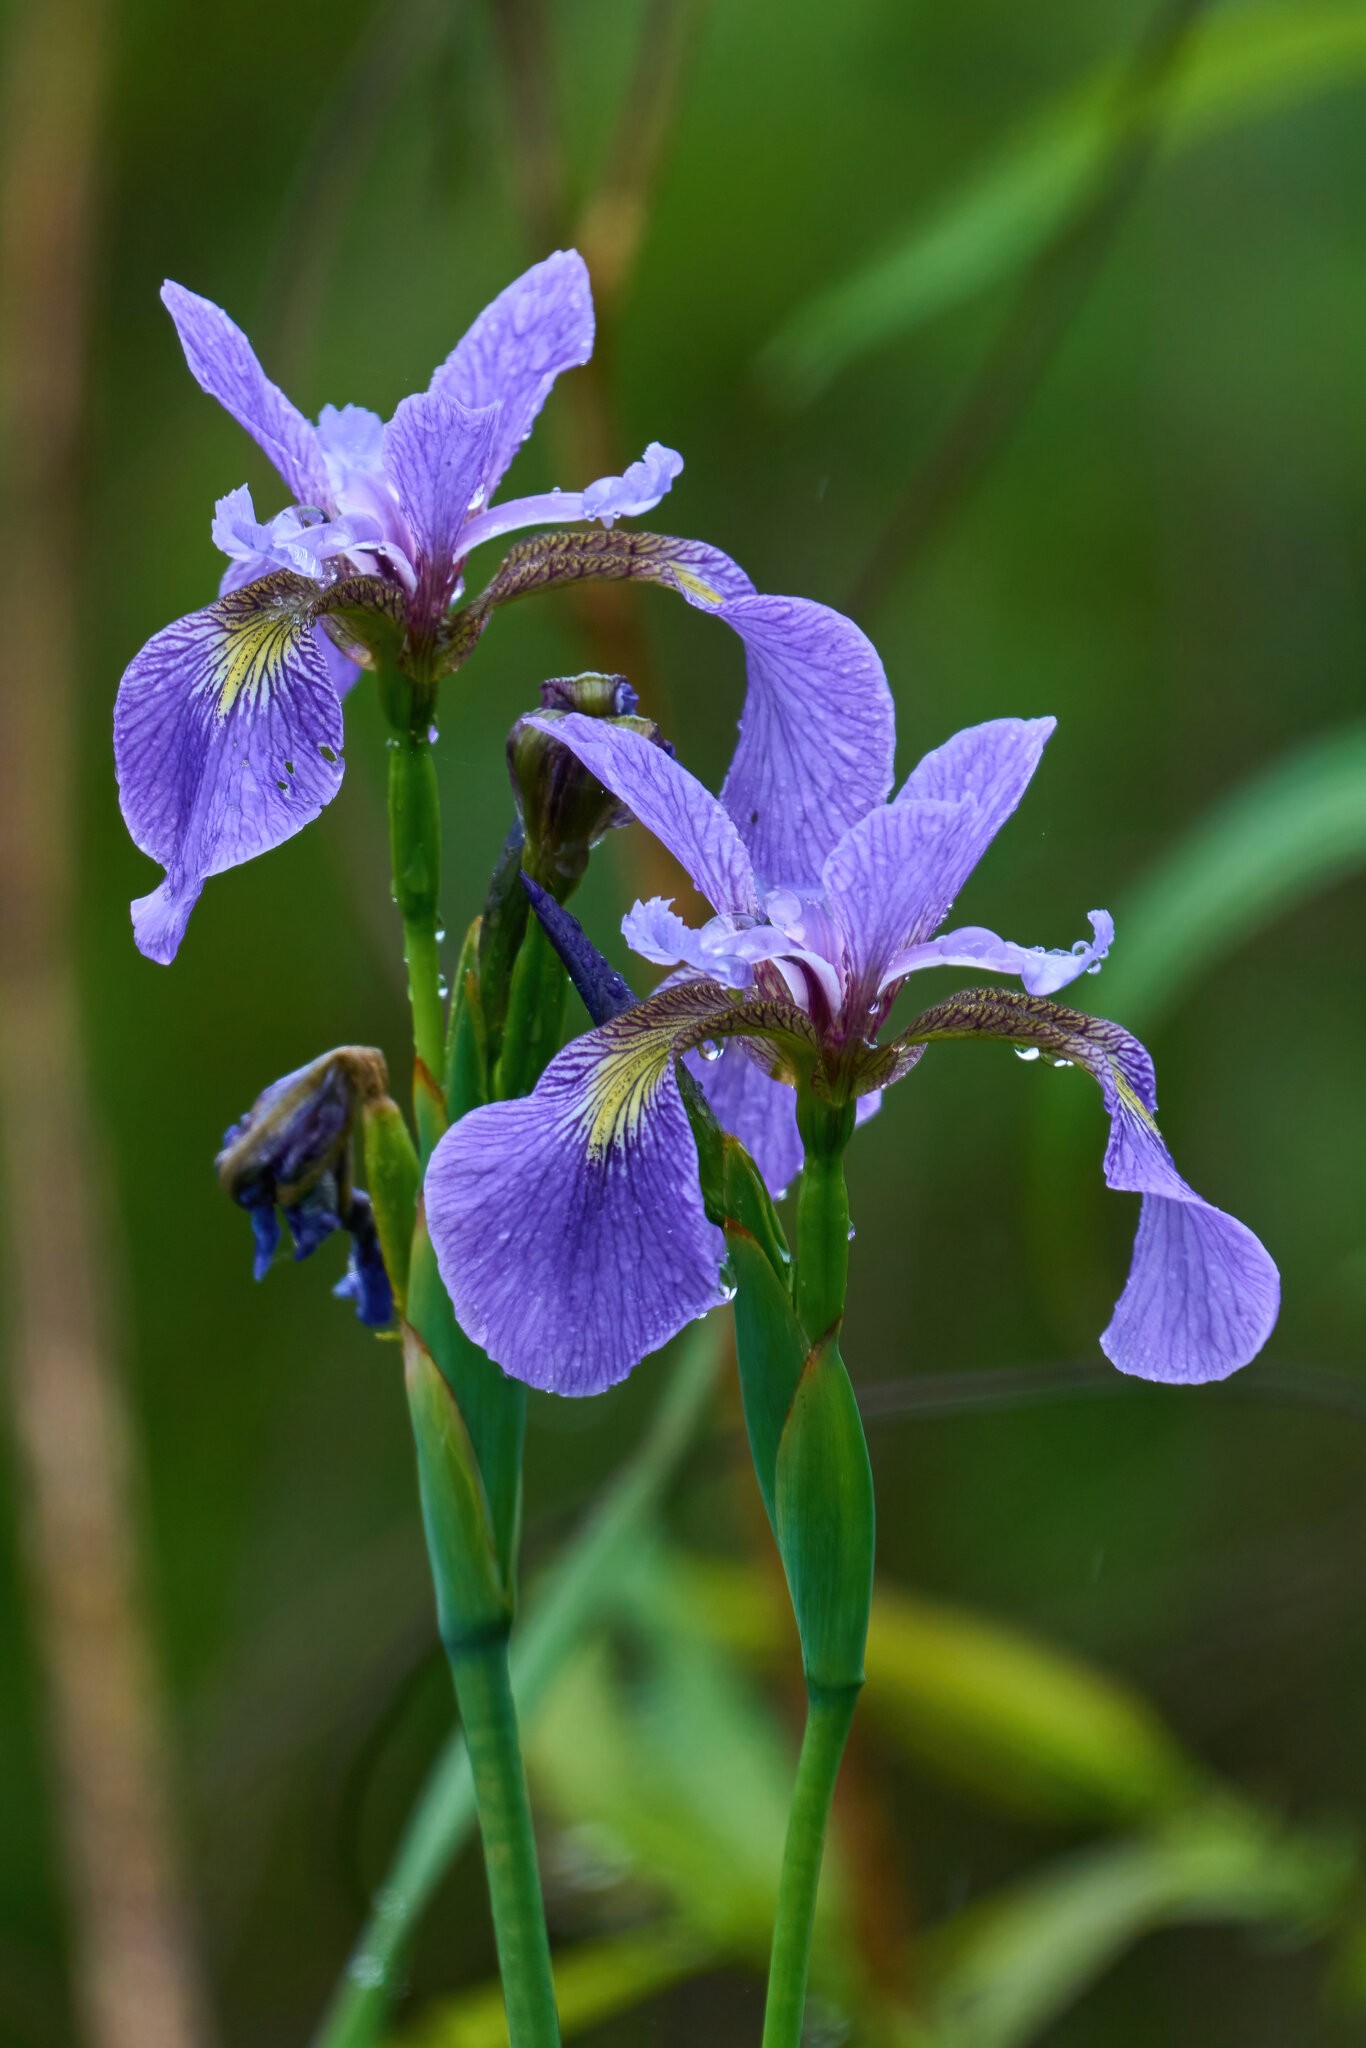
(1027, 1726)
(1000, 1972)
(593, 1982)
(1296, 828)
(651, 1742)
(1241, 64)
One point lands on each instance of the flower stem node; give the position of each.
(291, 1156)
(564, 808)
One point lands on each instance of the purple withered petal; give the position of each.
(223, 363)
(538, 326)
(1042, 972)
(227, 741)
(817, 733)
(436, 454)
(760, 1111)
(670, 803)
(568, 1225)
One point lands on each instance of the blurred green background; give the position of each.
(1092, 443)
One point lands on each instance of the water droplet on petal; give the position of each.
(710, 1050)
(1026, 1052)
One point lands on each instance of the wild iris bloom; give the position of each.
(570, 1228)
(228, 728)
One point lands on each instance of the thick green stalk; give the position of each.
(828, 1716)
(822, 1215)
(415, 850)
(575, 1590)
(484, 1691)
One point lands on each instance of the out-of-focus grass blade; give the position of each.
(1291, 831)
(1241, 63)
(999, 1973)
(655, 1752)
(1011, 1718)
(593, 1982)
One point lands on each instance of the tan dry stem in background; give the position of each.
(135, 1978)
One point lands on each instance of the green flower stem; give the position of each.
(484, 1691)
(415, 850)
(559, 1611)
(822, 1215)
(828, 1717)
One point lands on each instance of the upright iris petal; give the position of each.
(223, 363)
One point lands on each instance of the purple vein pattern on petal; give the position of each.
(991, 764)
(219, 736)
(885, 883)
(541, 324)
(760, 1111)
(817, 734)
(683, 815)
(1203, 1292)
(223, 362)
(436, 454)
(568, 1226)
(342, 672)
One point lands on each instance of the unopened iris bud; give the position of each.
(290, 1156)
(564, 809)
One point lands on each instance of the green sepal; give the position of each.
(492, 1405)
(472, 1596)
(825, 1521)
(393, 1177)
(466, 1070)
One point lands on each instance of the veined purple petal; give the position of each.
(883, 882)
(683, 816)
(817, 733)
(1203, 1292)
(541, 324)
(1043, 973)
(568, 1226)
(342, 672)
(609, 499)
(990, 765)
(227, 740)
(223, 362)
(436, 454)
(760, 1111)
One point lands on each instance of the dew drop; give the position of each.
(1062, 1063)
(440, 935)
(1026, 1052)
(443, 989)
(852, 1233)
(710, 1050)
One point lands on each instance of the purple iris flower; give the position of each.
(228, 727)
(827, 899)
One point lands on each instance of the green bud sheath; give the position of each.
(825, 1521)
(393, 1176)
(472, 1597)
